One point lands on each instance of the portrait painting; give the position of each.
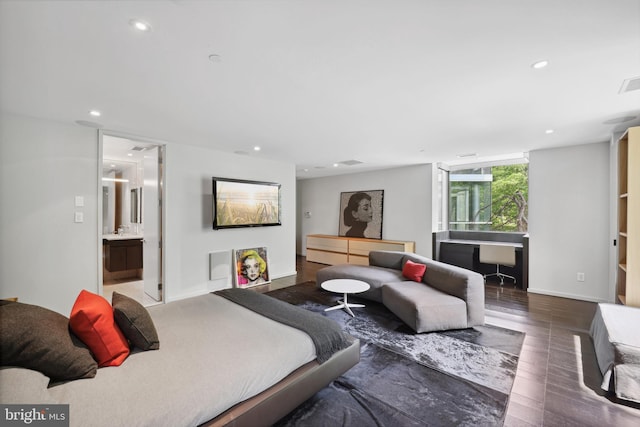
(251, 267)
(361, 214)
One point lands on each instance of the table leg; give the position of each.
(346, 305)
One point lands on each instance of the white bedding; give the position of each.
(615, 329)
(213, 354)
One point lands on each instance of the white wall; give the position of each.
(569, 221)
(189, 199)
(406, 212)
(568, 215)
(46, 258)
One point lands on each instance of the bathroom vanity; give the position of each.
(122, 252)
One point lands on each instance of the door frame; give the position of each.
(162, 170)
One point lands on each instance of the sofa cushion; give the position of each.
(374, 276)
(424, 308)
(413, 270)
(387, 259)
(92, 321)
(135, 322)
(36, 338)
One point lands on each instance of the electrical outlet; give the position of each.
(580, 277)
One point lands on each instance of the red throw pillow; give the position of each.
(92, 321)
(413, 271)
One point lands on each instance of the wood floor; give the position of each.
(558, 380)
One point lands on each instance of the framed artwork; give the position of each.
(251, 267)
(361, 214)
(241, 203)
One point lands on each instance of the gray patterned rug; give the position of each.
(452, 378)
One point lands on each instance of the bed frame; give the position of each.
(274, 403)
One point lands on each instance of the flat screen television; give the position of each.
(241, 203)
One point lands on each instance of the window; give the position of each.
(489, 198)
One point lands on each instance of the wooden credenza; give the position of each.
(331, 250)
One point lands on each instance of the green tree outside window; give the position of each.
(492, 198)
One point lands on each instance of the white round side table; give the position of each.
(345, 287)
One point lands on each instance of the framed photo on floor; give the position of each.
(251, 267)
(361, 214)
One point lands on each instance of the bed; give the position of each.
(616, 342)
(219, 363)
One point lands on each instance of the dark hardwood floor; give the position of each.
(558, 380)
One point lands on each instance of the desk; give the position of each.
(482, 242)
(465, 253)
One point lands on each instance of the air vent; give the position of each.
(630, 84)
(350, 162)
(138, 148)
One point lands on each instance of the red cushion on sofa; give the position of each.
(413, 270)
(92, 321)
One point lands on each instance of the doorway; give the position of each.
(131, 227)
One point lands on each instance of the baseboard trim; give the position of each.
(566, 295)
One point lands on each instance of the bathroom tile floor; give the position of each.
(133, 290)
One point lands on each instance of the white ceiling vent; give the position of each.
(630, 84)
(350, 162)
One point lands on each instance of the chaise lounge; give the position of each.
(445, 296)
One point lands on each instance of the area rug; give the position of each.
(460, 377)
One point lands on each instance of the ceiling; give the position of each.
(320, 82)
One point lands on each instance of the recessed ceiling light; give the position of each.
(540, 64)
(140, 25)
(130, 154)
(335, 165)
(256, 148)
(95, 113)
(549, 131)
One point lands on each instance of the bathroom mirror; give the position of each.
(122, 196)
(136, 205)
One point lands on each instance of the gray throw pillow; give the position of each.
(36, 338)
(135, 322)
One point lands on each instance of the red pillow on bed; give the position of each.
(413, 271)
(92, 321)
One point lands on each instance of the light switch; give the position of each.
(79, 217)
(79, 201)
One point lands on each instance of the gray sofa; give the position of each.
(448, 297)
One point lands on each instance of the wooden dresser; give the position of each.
(331, 250)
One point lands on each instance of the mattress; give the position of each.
(213, 354)
(616, 341)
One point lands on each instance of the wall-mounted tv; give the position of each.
(241, 203)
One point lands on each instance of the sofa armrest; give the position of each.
(462, 283)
